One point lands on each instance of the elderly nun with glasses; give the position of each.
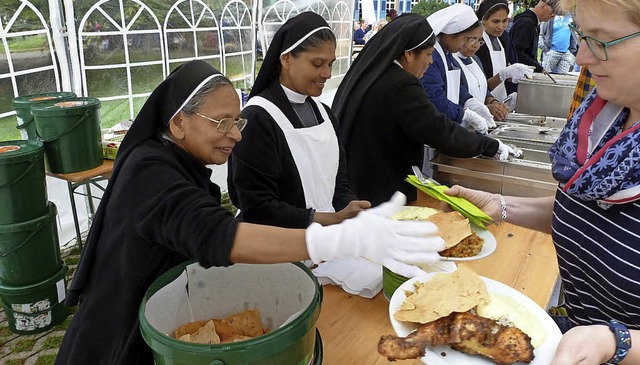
(161, 209)
(290, 169)
(594, 218)
(386, 117)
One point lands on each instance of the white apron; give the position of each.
(498, 62)
(315, 152)
(476, 80)
(452, 76)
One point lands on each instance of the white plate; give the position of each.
(433, 356)
(487, 249)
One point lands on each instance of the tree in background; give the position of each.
(428, 7)
(392, 14)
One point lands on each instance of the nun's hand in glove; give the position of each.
(474, 121)
(515, 72)
(371, 234)
(505, 150)
(482, 110)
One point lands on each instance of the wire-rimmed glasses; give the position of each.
(596, 46)
(224, 125)
(474, 40)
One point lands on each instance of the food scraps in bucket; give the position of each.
(40, 98)
(5, 149)
(445, 306)
(237, 327)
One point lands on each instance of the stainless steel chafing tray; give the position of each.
(526, 176)
(540, 95)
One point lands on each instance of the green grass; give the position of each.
(72, 260)
(16, 362)
(52, 342)
(63, 325)
(24, 345)
(29, 43)
(46, 360)
(4, 331)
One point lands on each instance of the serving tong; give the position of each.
(423, 179)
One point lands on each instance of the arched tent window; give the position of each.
(192, 32)
(121, 56)
(276, 15)
(238, 39)
(27, 64)
(343, 28)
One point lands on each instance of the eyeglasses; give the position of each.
(474, 40)
(224, 125)
(596, 46)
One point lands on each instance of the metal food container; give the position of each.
(529, 175)
(541, 96)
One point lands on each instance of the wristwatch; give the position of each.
(623, 341)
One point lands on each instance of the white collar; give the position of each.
(294, 97)
(398, 63)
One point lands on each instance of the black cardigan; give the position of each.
(395, 121)
(263, 179)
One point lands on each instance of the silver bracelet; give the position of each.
(503, 205)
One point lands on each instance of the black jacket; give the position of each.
(524, 37)
(263, 179)
(394, 122)
(163, 210)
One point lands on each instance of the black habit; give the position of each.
(159, 210)
(263, 178)
(395, 121)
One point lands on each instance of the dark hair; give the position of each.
(314, 41)
(495, 9)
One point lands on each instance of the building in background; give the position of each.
(382, 7)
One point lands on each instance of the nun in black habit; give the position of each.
(289, 170)
(161, 209)
(386, 117)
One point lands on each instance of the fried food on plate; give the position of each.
(444, 294)
(455, 230)
(446, 306)
(465, 332)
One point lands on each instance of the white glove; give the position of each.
(475, 121)
(515, 72)
(505, 150)
(371, 234)
(511, 103)
(481, 109)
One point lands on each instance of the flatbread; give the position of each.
(205, 335)
(444, 294)
(452, 227)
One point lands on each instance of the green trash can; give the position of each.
(29, 251)
(22, 105)
(288, 297)
(35, 308)
(70, 131)
(23, 190)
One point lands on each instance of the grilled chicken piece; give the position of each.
(465, 332)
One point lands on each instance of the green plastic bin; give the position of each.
(23, 190)
(35, 308)
(22, 105)
(70, 131)
(30, 251)
(287, 295)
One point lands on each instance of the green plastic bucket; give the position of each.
(23, 190)
(36, 308)
(391, 281)
(29, 251)
(287, 295)
(70, 130)
(22, 105)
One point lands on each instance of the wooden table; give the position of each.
(351, 326)
(84, 178)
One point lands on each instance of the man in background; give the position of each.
(558, 44)
(525, 31)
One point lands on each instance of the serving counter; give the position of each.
(351, 326)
